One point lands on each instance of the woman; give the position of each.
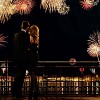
(33, 59)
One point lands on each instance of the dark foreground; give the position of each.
(54, 98)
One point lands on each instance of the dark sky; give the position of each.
(61, 36)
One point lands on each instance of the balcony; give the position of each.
(56, 78)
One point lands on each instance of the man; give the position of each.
(21, 43)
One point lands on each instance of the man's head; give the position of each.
(25, 25)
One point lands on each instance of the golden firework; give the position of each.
(55, 6)
(6, 10)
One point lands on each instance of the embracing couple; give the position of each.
(26, 44)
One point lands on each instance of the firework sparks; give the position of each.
(55, 5)
(94, 50)
(94, 45)
(6, 10)
(94, 38)
(88, 4)
(24, 6)
(2, 40)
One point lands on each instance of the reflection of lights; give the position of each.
(62, 89)
(27, 72)
(87, 79)
(40, 79)
(55, 5)
(97, 75)
(75, 79)
(62, 78)
(3, 69)
(24, 6)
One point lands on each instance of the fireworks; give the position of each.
(2, 40)
(94, 45)
(55, 5)
(88, 4)
(94, 38)
(63, 9)
(95, 2)
(24, 6)
(6, 10)
(10, 7)
(94, 50)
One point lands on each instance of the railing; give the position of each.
(56, 77)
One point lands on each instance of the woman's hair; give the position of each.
(34, 34)
(34, 31)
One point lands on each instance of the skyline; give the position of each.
(61, 36)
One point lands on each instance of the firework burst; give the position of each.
(24, 6)
(2, 40)
(55, 5)
(6, 10)
(88, 4)
(94, 38)
(94, 50)
(94, 45)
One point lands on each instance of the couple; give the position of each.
(26, 44)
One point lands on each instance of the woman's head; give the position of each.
(34, 31)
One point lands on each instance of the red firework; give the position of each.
(87, 4)
(24, 6)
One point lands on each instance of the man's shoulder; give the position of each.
(17, 34)
(20, 32)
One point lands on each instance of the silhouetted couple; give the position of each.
(26, 44)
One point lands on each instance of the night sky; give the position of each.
(61, 36)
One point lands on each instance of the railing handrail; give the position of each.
(67, 61)
(78, 64)
(58, 61)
